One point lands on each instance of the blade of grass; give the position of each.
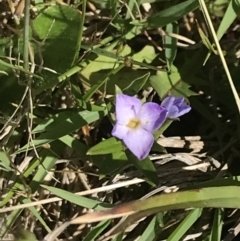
(209, 22)
(26, 34)
(78, 200)
(94, 233)
(228, 18)
(149, 233)
(217, 225)
(84, 5)
(217, 197)
(40, 174)
(185, 225)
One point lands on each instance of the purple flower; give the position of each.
(175, 106)
(136, 122)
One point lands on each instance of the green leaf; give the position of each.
(75, 144)
(146, 167)
(98, 229)
(76, 199)
(171, 44)
(54, 28)
(147, 55)
(211, 197)
(157, 148)
(109, 164)
(97, 73)
(103, 62)
(185, 225)
(172, 84)
(48, 159)
(217, 226)
(50, 122)
(136, 85)
(110, 145)
(229, 16)
(150, 233)
(66, 126)
(172, 14)
(5, 162)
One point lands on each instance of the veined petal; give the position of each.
(152, 116)
(120, 131)
(126, 108)
(183, 109)
(168, 102)
(173, 112)
(175, 106)
(177, 100)
(139, 142)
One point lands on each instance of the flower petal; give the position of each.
(126, 108)
(152, 116)
(178, 100)
(175, 106)
(120, 131)
(139, 142)
(173, 112)
(183, 109)
(168, 102)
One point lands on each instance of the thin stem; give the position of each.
(209, 22)
(26, 35)
(84, 6)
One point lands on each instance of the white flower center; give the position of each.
(134, 123)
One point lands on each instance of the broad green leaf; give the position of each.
(67, 126)
(57, 30)
(98, 75)
(185, 225)
(102, 82)
(76, 145)
(103, 62)
(109, 164)
(171, 44)
(78, 200)
(147, 55)
(124, 78)
(5, 162)
(229, 16)
(50, 122)
(146, 167)
(136, 85)
(172, 14)
(172, 84)
(110, 145)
